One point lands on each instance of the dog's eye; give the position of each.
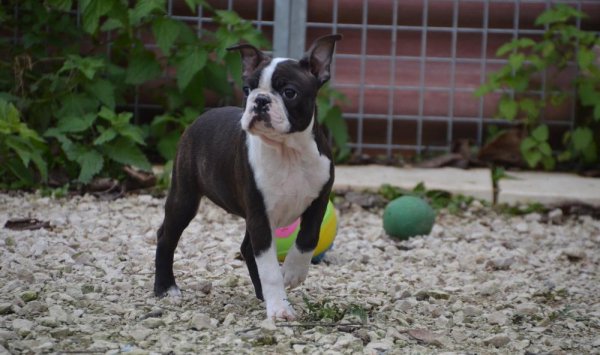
(246, 90)
(290, 93)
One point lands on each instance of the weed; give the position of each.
(520, 210)
(56, 192)
(325, 309)
(438, 199)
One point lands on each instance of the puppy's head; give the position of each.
(280, 93)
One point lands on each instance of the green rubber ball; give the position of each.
(408, 216)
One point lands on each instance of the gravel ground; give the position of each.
(480, 283)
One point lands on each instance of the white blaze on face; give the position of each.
(276, 109)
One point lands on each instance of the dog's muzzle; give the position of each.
(261, 104)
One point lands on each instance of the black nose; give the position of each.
(261, 102)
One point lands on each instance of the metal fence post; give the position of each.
(289, 30)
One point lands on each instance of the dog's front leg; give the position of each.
(269, 272)
(297, 261)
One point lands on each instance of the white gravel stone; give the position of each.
(200, 321)
(526, 309)
(483, 280)
(22, 326)
(498, 341)
(497, 318)
(555, 215)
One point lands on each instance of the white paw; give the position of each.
(294, 275)
(280, 309)
(295, 267)
(174, 291)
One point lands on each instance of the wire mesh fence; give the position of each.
(410, 68)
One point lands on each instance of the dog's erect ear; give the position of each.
(318, 58)
(251, 57)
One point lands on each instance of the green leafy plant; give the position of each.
(438, 199)
(330, 115)
(325, 309)
(20, 148)
(536, 149)
(70, 88)
(562, 44)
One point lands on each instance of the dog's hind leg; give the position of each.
(180, 208)
(248, 255)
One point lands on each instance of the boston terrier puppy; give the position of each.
(268, 163)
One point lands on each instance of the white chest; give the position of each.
(289, 178)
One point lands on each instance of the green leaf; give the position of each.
(193, 4)
(506, 48)
(527, 145)
(557, 14)
(548, 49)
(541, 133)
(565, 156)
(72, 124)
(597, 112)
(118, 17)
(337, 126)
(62, 5)
(518, 82)
(545, 149)
(132, 132)
(516, 60)
(76, 105)
(167, 145)
(125, 152)
(143, 8)
(530, 107)
(585, 58)
(194, 59)
(106, 136)
(41, 165)
(526, 42)
(582, 137)
(228, 17)
(111, 24)
(108, 114)
(233, 61)
(9, 117)
(508, 108)
(165, 32)
(92, 11)
(19, 146)
(88, 66)
(91, 163)
(532, 158)
(548, 162)
(104, 90)
(142, 67)
(20, 171)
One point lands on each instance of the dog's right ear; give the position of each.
(251, 58)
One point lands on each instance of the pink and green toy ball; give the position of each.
(286, 236)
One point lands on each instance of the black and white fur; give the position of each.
(268, 163)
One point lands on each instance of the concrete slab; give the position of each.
(549, 188)
(472, 182)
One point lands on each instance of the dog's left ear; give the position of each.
(251, 58)
(318, 58)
